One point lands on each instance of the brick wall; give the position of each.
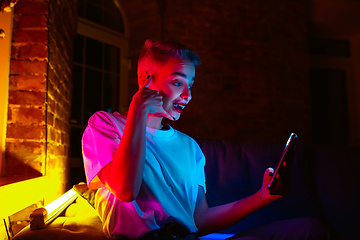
(252, 83)
(62, 29)
(26, 131)
(37, 140)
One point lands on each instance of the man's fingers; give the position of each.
(167, 115)
(268, 174)
(147, 82)
(163, 113)
(270, 171)
(148, 93)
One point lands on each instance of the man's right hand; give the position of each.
(149, 100)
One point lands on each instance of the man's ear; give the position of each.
(143, 77)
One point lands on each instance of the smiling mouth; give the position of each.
(179, 107)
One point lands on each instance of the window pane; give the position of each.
(110, 6)
(81, 8)
(111, 89)
(103, 12)
(93, 86)
(112, 59)
(93, 53)
(78, 48)
(93, 12)
(114, 21)
(76, 101)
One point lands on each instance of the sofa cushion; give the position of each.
(235, 170)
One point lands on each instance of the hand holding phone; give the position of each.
(280, 181)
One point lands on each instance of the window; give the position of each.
(96, 77)
(99, 70)
(105, 13)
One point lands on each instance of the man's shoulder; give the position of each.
(107, 117)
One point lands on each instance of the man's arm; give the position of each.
(209, 220)
(123, 176)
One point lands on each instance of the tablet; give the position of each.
(280, 181)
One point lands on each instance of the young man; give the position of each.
(150, 177)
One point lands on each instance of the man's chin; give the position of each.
(173, 118)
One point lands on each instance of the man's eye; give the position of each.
(176, 83)
(191, 88)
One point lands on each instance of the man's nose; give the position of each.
(186, 94)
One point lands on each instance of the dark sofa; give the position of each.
(324, 185)
(325, 182)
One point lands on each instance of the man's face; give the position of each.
(174, 82)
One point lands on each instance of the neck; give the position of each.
(154, 121)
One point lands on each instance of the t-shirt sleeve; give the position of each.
(200, 164)
(100, 141)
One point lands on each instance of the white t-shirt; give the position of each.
(174, 170)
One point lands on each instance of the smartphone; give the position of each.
(280, 181)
